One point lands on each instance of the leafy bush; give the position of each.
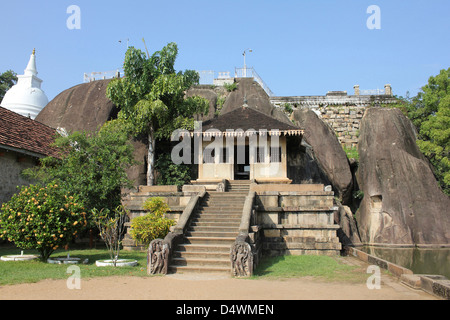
(92, 166)
(154, 225)
(230, 86)
(288, 108)
(157, 206)
(170, 173)
(41, 218)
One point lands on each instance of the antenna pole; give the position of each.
(148, 55)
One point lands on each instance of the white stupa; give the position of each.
(26, 97)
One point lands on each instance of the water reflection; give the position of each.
(420, 261)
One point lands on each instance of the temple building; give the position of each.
(248, 145)
(26, 97)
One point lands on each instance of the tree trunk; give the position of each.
(150, 158)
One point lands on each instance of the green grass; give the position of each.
(285, 267)
(323, 267)
(15, 272)
(352, 153)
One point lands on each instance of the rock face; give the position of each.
(348, 233)
(209, 93)
(250, 91)
(328, 152)
(81, 108)
(402, 204)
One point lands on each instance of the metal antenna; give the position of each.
(148, 55)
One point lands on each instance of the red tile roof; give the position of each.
(19, 132)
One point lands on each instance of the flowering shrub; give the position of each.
(41, 218)
(154, 225)
(157, 206)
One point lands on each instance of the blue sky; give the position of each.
(299, 47)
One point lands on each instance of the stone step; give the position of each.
(200, 269)
(213, 234)
(197, 248)
(192, 262)
(202, 255)
(221, 208)
(223, 214)
(218, 213)
(218, 224)
(217, 219)
(215, 228)
(211, 240)
(226, 201)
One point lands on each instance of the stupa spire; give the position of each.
(31, 67)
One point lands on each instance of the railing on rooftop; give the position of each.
(251, 73)
(103, 75)
(372, 92)
(208, 76)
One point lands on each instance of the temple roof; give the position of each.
(22, 134)
(249, 119)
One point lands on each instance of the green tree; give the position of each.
(7, 80)
(430, 113)
(434, 127)
(42, 218)
(152, 99)
(91, 166)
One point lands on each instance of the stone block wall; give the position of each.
(297, 222)
(343, 113)
(11, 166)
(345, 121)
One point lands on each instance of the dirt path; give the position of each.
(210, 287)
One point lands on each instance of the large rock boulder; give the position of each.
(402, 204)
(253, 94)
(327, 152)
(211, 94)
(84, 107)
(348, 233)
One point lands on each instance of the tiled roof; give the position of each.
(19, 132)
(246, 118)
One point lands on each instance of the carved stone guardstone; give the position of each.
(158, 257)
(241, 259)
(220, 187)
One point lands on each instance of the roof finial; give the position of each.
(34, 52)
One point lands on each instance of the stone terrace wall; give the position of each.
(341, 112)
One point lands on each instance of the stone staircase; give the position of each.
(212, 231)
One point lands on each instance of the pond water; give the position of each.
(419, 260)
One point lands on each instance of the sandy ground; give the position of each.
(211, 287)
